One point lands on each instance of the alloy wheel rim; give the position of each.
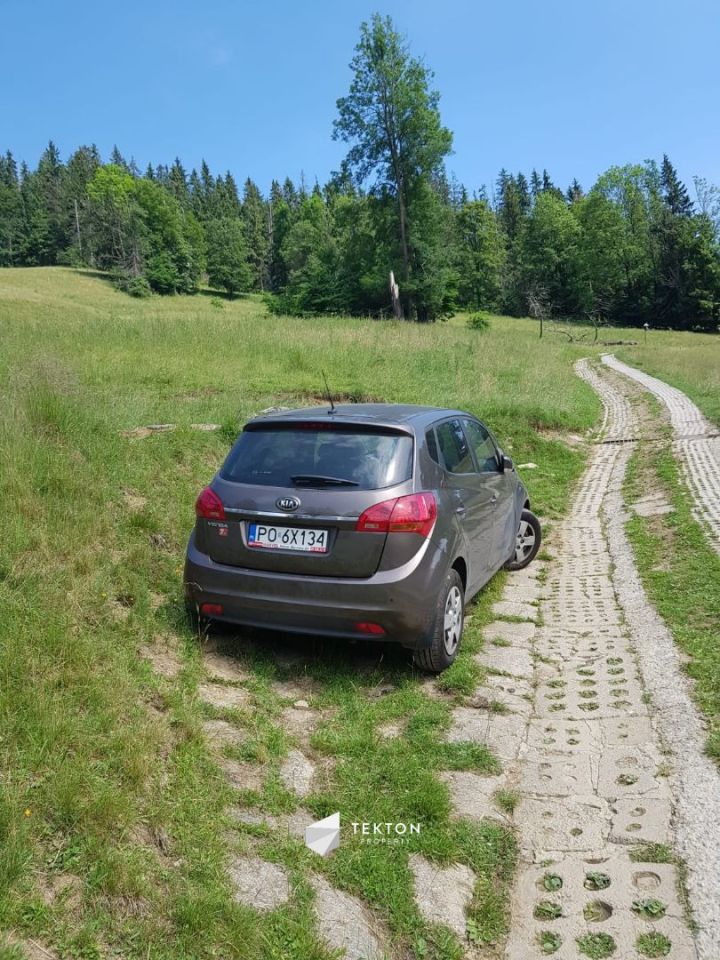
(524, 542)
(453, 620)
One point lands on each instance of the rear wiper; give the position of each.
(310, 480)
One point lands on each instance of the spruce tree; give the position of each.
(674, 190)
(255, 221)
(574, 192)
(118, 160)
(177, 183)
(11, 212)
(227, 256)
(535, 184)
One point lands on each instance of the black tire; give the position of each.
(527, 544)
(445, 639)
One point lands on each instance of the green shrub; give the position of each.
(138, 287)
(479, 321)
(135, 286)
(162, 273)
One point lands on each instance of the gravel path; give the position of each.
(696, 444)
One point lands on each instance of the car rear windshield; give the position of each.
(320, 455)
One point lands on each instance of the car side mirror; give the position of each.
(505, 462)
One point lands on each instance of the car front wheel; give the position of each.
(527, 542)
(449, 621)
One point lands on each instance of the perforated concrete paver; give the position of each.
(473, 795)
(645, 820)
(221, 733)
(345, 923)
(443, 894)
(502, 733)
(221, 666)
(516, 634)
(507, 693)
(512, 660)
(584, 891)
(515, 608)
(259, 884)
(297, 773)
(590, 769)
(241, 775)
(224, 697)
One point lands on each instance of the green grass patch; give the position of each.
(107, 782)
(680, 571)
(653, 945)
(597, 946)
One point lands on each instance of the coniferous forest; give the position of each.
(636, 247)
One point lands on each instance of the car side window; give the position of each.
(454, 447)
(482, 445)
(431, 444)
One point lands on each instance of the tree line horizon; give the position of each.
(633, 249)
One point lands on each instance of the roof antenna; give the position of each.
(329, 395)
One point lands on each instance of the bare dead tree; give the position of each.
(572, 337)
(539, 306)
(395, 297)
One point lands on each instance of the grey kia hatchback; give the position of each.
(359, 521)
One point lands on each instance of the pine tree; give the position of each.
(177, 183)
(674, 190)
(118, 160)
(227, 256)
(523, 193)
(281, 220)
(255, 221)
(231, 196)
(290, 194)
(11, 212)
(574, 192)
(79, 172)
(535, 184)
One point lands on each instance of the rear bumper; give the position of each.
(402, 601)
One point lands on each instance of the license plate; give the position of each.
(287, 538)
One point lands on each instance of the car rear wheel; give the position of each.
(527, 542)
(449, 621)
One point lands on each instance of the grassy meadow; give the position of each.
(113, 813)
(689, 362)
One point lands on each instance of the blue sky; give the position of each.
(573, 86)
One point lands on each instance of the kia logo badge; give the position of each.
(288, 503)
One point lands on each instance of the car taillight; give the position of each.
(209, 506)
(211, 609)
(415, 513)
(374, 629)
